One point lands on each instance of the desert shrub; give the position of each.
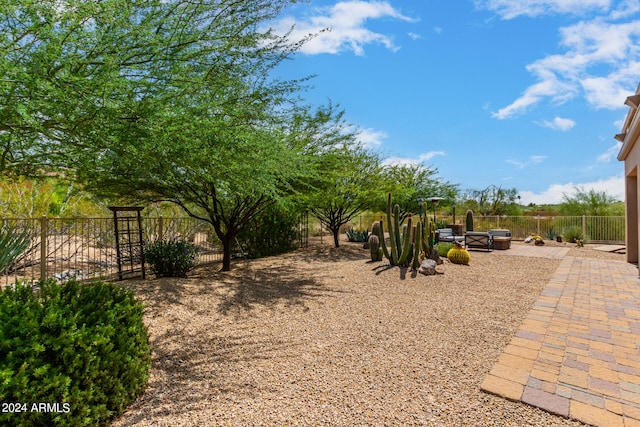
(442, 223)
(443, 248)
(81, 348)
(170, 258)
(572, 234)
(273, 232)
(360, 236)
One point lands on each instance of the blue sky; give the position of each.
(524, 94)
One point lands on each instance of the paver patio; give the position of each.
(577, 352)
(531, 250)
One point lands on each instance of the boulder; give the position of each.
(429, 267)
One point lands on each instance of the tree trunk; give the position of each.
(336, 236)
(227, 243)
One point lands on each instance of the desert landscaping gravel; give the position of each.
(322, 336)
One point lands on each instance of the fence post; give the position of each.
(584, 227)
(44, 226)
(160, 228)
(538, 223)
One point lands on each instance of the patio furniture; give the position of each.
(478, 240)
(501, 238)
(501, 243)
(446, 235)
(500, 232)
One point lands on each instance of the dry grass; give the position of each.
(322, 336)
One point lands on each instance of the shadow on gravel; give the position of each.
(267, 287)
(347, 251)
(402, 272)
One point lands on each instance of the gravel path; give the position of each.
(324, 337)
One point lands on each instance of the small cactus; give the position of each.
(375, 228)
(459, 255)
(469, 220)
(374, 247)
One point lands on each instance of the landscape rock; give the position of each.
(429, 267)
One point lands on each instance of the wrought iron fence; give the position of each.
(84, 248)
(596, 229)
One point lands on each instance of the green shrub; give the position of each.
(572, 234)
(441, 223)
(81, 348)
(273, 232)
(443, 248)
(170, 258)
(360, 236)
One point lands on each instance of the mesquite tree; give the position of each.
(78, 77)
(156, 100)
(349, 185)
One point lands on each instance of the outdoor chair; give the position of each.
(446, 235)
(500, 232)
(478, 240)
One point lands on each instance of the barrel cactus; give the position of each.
(459, 255)
(374, 247)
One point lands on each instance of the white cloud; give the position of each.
(371, 138)
(600, 62)
(428, 156)
(341, 27)
(626, 8)
(610, 153)
(558, 123)
(516, 163)
(414, 36)
(412, 161)
(550, 87)
(532, 160)
(613, 186)
(509, 9)
(537, 159)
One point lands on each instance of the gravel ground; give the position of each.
(322, 336)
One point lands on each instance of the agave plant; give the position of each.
(13, 243)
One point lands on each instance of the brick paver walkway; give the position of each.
(577, 354)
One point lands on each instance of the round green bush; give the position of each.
(171, 258)
(70, 354)
(274, 231)
(572, 234)
(443, 248)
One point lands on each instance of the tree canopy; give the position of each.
(79, 76)
(155, 100)
(493, 200)
(587, 202)
(409, 183)
(349, 184)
